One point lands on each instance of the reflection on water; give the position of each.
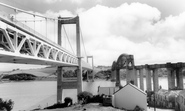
(27, 95)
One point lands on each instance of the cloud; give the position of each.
(62, 13)
(134, 29)
(79, 10)
(71, 1)
(52, 1)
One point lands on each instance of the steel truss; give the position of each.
(17, 46)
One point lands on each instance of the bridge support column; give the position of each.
(59, 84)
(78, 48)
(79, 76)
(93, 73)
(141, 71)
(179, 77)
(155, 80)
(148, 78)
(87, 72)
(131, 76)
(118, 78)
(171, 76)
(113, 75)
(113, 71)
(135, 77)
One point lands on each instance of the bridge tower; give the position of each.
(60, 84)
(125, 61)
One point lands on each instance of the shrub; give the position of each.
(97, 99)
(67, 102)
(84, 97)
(8, 104)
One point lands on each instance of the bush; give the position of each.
(84, 97)
(67, 102)
(97, 99)
(8, 105)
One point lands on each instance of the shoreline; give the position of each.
(55, 79)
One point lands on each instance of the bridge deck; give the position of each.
(19, 45)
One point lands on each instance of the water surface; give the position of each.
(29, 95)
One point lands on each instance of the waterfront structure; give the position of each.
(174, 73)
(128, 97)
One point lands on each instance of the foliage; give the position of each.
(19, 77)
(97, 99)
(84, 97)
(8, 104)
(103, 74)
(69, 73)
(67, 102)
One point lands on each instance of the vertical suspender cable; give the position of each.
(54, 30)
(83, 42)
(34, 23)
(46, 28)
(68, 39)
(15, 15)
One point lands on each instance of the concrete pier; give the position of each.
(141, 71)
(131, 76)
(179, 77)
(113, 75)
(148, 78)
(135, 77)
(113, 71)
(171, 76)
(59, 84)
(155, 80)
(118, 78)
(87, 72)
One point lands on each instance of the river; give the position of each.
(34, 94)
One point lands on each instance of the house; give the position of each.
(128, 97)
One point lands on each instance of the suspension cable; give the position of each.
(83, 41)
(68, 39)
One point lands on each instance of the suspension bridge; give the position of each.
(31, 38)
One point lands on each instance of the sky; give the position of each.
(151, 30)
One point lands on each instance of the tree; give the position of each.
(8, 104)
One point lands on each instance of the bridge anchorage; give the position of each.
(21, 44)
(125, 61)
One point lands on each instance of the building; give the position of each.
(128, 97)
(165, 98)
